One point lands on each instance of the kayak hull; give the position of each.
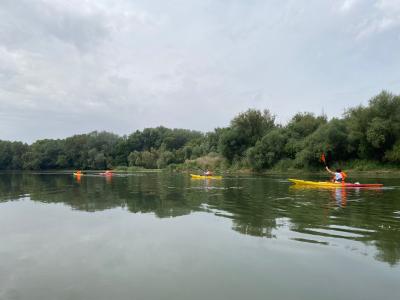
(195, 176)
(335, 185)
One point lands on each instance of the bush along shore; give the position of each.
(365, 138)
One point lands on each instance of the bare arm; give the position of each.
(333, 173)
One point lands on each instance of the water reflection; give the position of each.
(256, 206)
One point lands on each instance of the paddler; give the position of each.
(207, 173)
(338, 175)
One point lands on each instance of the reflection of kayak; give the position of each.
(194, 176)
(106, 174)
(336, 185)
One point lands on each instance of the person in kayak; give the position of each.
(338, 175)
(208, 173)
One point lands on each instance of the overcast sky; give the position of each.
(74, 66)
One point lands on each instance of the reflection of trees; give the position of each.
(11, 187)
(149, 193)
(251, 215)
(256, 206)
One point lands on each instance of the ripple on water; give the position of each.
(214, 188)
(335, 233)
(303, 240)
(352, 229)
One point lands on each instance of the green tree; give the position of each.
(300, 127)
(245, 130)
(330, 138)
(268, 151)
(165, 158)
(373, 130)
(149, 159)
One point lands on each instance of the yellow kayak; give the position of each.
(333, 184)
(78, 174)
(194, 176)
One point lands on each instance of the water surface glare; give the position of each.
(165, 236)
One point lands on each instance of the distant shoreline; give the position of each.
(298, 172)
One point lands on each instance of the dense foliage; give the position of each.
(252, 140)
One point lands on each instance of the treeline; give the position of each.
(150, 148)
(253, 140)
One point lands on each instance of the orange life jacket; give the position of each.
(343, 174)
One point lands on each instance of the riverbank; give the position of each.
(352, 168)
(286, 167)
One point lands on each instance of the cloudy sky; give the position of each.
(73, 66)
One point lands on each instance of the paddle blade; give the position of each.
(323, 158)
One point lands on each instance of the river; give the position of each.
(165, 236)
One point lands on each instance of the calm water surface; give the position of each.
(165, 236)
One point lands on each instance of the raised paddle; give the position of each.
(323, 159)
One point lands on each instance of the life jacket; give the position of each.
(341, 178)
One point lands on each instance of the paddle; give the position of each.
(204, 171)
(323, 159)
(200, 169)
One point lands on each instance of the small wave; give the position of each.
(335, 233)
(350, 229)
(310, 241)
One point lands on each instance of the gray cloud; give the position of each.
(73, 66)
(34, 25)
